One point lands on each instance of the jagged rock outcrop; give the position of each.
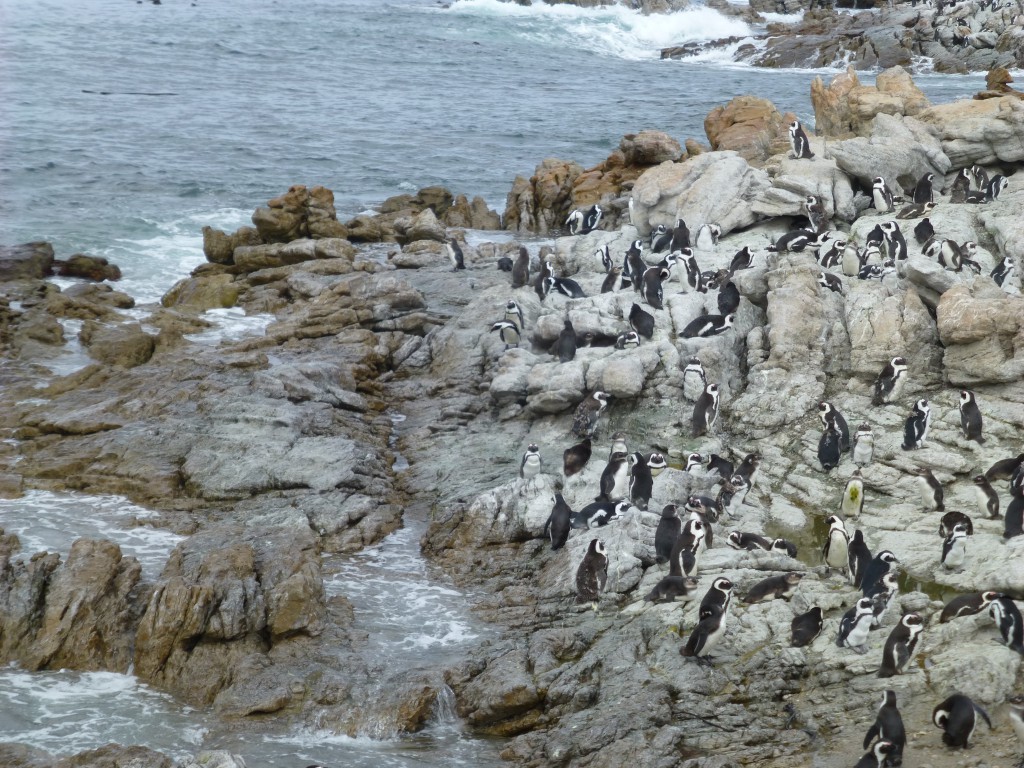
(750, 126)
(846, 107)
(541, 203)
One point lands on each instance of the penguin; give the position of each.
(521, 268)
(978, 198)
(641, 481)
(707, 237)
(635, 264)
(923, 192)
(743, 259)
(1008, 620)
(728, 297)
(792, 242)
(876, 271)
(784, 547)
(529, 467)
(915, 210)
(566, 287)
(863, 445)
(988, 499)
(720, 465)
(575, 457)
(719, 595)
(694, 277)
(924, 231)
(504, 264)
(652, 291)
(798, 141)
(508, 332)
(591, 219)
(667, 532)
(708, 325)
(751, 542)
(853, 497)
(879, 566)
(878, 756)
(656, 463)
(836, 552)
(705, 411)
(956, 716)
(706, 635)
(773, 587)
(749, 467)
(514, 314)
(592, 573)
(605, 255)
(901, 645)
(661, 238)
(954, 548)
(618, 444)
(881, 195)
(806, 627)
(1002, 270)
(669, 262)
(588, 412)
(816, 214)
(895, 241)
(641, 322)
(951, 520)
(967, 605)
(694, 461)
(995, 186)
(1015, 714)
(949, 255)
(932, 495)
(693, 539)
(830, 255)
(889, 384)
(670, 587)
(970, 416)
(883, 596)
(1004, 469)
(455, 255)
(694, 379)
(558, 524)
(888, 726)
(565, 347)
(680, 237)
(915, 430)
(597, 514)
(830, 446)
(961, 186)
(852, 261)
(731, 496)
(860, 558)
(855, 626)
(615, 478)
(826, 411)
(830, 281)
(540, 284)
(628, 340)
(609, 281)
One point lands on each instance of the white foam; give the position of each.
(783, 18)
(230, 324)
(612, 30)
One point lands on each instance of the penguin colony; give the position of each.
(687, 527)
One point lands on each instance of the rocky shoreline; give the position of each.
(272, 452)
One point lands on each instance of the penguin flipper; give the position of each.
(984, 714)
(873, 731)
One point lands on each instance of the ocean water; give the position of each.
(125, 127)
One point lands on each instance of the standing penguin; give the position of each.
(1006, 615)
(798, 141)
(932, 495)
(805, 627)
(508, 332)
(614, 483)
(863, 445)
(641, 481)
(529, 467)
(667, 532)
(924, 231)
(584, 422)
(855, 626)
(816, 214)
(901, 645)
(680, 237)
(728, 297)
(954, 548)
(705, 411)
(694, 379)
(661, 238)
(652, 291)
(879, 566)
(988, 499)
(956, 716)
(826, 411)
(883, 596)
(853, 497)
(540, 284)
(888, 726)
(706, 635)
(915, 430)
(521, 268)
(1002, 270)
(881, 195)
(635, 263)
(641, 322)
(895, 241)
(923, 192)
(860, 558)
(744, 259)
(558, 525)
(455, 255)
(592, 573)
(565, 346)
(575, 457)
(970, 416)
(890, 381)
(514, 314)
(836, 552)
(830, 446)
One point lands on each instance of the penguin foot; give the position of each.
(861, 649)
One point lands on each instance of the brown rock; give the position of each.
(475, 215)
(28, 261)
(285, 217)
(219, 247)
(202, 293)
(126, 345)
(751, 126)
(982, 331)
(847, 107)
(87, 267)
(649, 148)
(253, 258)
(322, 219)
(436, 198)
(424, 226)
(116, 756)
(541, 203)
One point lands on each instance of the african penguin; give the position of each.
(1005, 614)
(514, 314)
(956, 716)
(651, 282)
(508, 332)
(855, 626)
(670, 587)
(830, 281)
(773, 587)
(995, 186)
(830, 446)
(641, 481)
(951, 519)
(932, 494)
(608, 286)
(694, 279)
(540, 284)
(661, 238)
(718, 595)
(598, 514)
(566, 287)
(954, 548)
(605, 255)
(967, 605)
(641, 321)
(749, 467)
(863, 445)
(455, 255)
(680, 236)
(707, 237)
(575, 457)
(618, 444)
(923, 192)
(895, 241)
(667, 532)
(1015, 714)
(836, 552)
(883, 596)
(656, 463)
(558, 524)
(915, 430)
(708, 325)
(798, 141)
(565, 346)
(890, 381)
(720, 465)
(860, 558)
(826, 411)
(970, 416)
(961, 186)
(888, 726)
(705, 411)
(529, 467)
(750, 542)
(879, 566)
(853, 497)
(694, 379)
(584, 422)
(728, 297)
(706, 635)
(628, 340)
(592, 573)
(614, 483)
(783, 546)
(901, 645)
(924, 231)
(806, 627)
(1002, 270)
(794, 241)
(988, 499)
(1004, 469)
(881, 195)
(521, 268)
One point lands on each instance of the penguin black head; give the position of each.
(887, 557)
(670, 511)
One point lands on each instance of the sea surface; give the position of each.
(125, 127)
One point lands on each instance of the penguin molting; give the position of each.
(521, 268)
(855, 626)
(592, 573)
(863, 445)
(915, 430)
(970, 416)
(890, 381)
(529, 467)
(584, 422)
(575, 457)
(641, 481)
(883, 596)
(641, 322)
(558, 524)
(888, 726)
(956, 717)
(806, 627)
(901, 645)
(565, 346)
(670, 587)
(705, 411)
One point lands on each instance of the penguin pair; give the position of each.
(582, 222)
(710, 630)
